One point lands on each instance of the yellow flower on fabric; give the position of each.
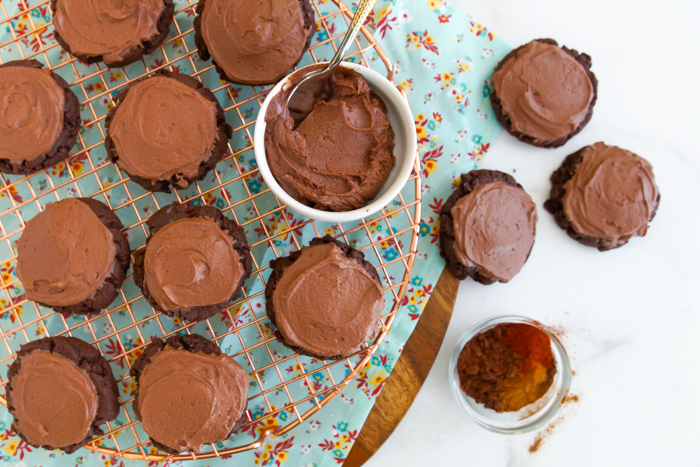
(338, 444)
(432, 4)
(377, 378)
(431, 166)
(268, 447)
(265, 455)
(345, 438)
(429, 40)
(421, 132)
(282, 456)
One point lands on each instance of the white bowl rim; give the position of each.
(377, 204)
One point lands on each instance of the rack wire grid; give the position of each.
(285, 388)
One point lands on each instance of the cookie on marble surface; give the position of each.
(544, 94)
(602, 196)
(487, 227)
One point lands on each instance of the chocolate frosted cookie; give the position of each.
(166, 130)
(189, 393)
(253, 43)
(117, 33)
(325, 300)
(487, 227)
(73, 256)
(603, 196)
(337, 155)
(544, 94)
(39, 117)
(59, 391)
(195, 262)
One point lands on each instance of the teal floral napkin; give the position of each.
(443, 59)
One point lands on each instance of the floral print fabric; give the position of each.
(441, 57)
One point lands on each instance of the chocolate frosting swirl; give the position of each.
(252, 41)
(110, 29)
(191, 262)
(64, 254)
(326, 303)
(340, 155)
(163, 128)
(188, 399)
(31, 112)
(54, 401)
(612, 195)
(544, 92)
(495, 229)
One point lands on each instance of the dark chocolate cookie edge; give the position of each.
(136, 53)
(218, 151)
(555, 206)
(469, 182)
(279, 265)
(309, 21)
(191, 343)
(504, 120)
(87, 358)
(65, 141)
(175, 212)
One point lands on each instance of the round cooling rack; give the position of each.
(286, 388)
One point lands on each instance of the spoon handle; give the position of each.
(363, 10)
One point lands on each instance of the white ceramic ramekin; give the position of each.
(402, 123)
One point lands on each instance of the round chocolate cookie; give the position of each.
(195, 262)
(253, 43)
(325, 300)
(39, 117)
(603, 196)
(487, 227)
(73, 256)
(189, 393)
(117, 33)
(59, 391)
(166, 130)
(544, 94)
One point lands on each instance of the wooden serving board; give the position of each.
(409, 373)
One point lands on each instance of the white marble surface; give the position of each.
(632, 315)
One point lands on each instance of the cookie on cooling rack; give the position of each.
(251, 46)
(544, 94)
(59, 391)
(324, 300)
(189, 393)
(73, 256)
(487, 227)
(166, 130)
(195, 262)
(117, 33)
(39, 117)
(602, 196)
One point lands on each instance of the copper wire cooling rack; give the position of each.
(22, 321)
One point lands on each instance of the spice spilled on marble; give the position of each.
(507, 367)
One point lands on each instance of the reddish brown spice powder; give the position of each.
(507, 367)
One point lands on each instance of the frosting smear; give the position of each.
(340, 155)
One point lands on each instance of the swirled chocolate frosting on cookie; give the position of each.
(612, 195)
(188, 399)
(544, 92)
(163, 128)
(111, 30)
(340, 155)
(54, 402)
(191, 262)
(327, 303)
(255, 42)
(64, 254)
(31, 112)
(495, 229)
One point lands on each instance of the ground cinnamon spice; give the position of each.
(507, 367)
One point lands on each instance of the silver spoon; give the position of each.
(317, 85)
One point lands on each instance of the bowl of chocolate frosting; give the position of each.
(345, 160)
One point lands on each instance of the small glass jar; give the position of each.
(530, 417)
